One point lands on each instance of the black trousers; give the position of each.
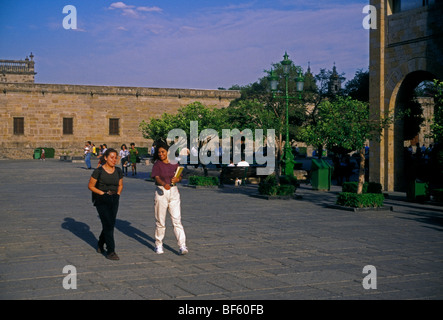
(107, 208)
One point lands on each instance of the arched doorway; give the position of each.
(409, 162)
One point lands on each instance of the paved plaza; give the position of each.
(241, 247)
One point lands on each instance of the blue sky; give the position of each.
(201, 44)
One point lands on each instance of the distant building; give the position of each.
(17, 71)
(334, 85)
(63, 117)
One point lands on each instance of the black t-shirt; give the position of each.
(106, 181)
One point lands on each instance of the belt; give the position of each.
(111, 193)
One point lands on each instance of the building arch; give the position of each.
(405, 49)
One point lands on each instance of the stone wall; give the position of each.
(43, 107)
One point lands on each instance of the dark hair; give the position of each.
(109, 151)
(159, 145)
(123, 145)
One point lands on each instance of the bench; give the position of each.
(228, 175)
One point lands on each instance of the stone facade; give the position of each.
(405, 49)
(43, 107)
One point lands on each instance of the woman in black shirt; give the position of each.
(106, 183)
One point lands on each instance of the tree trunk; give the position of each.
(361, 172)
(320, 151)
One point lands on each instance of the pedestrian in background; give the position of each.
(124, 156)
(133, 152)
(88, 151)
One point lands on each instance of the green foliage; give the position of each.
(368, 187)
(285, 190)
(437, 121)
(364, 200)
(208, 118)
(344, 123)
(203, 181)
(269, 186)
(358, 87)
(142, 151)
(289, 180)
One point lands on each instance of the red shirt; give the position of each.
(164, 171)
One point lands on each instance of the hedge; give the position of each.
(203, 181)
(364, 200)
(269, 186)
(368, 187)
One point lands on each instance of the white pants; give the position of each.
(168, 200)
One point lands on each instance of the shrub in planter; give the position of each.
(368, 187)
(285, 180)
(203, 181)
(285, 190)
(269, 186)
(364, 200)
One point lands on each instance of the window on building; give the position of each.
(68, 126)
(114, 127)
(19, 125)
(404, 5)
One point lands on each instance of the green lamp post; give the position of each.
(288, 158)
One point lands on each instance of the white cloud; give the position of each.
(119, 5)
(131, 10)
(149, 9)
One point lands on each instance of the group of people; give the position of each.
(106, 183)
(422, 152)
(127, 157)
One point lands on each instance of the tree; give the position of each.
(257, 109)
(437, 120)
(345, 123)
(358, 87)
(207, 118)
(316, 93)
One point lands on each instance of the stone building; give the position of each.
(17, 71)
(406, 48)
(63, 117)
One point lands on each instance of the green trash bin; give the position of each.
(417, 191)
(321, 175)
(37, 153)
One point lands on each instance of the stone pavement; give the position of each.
(241, 247)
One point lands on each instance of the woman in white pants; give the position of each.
(167, 197)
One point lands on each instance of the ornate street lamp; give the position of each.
(288, 158)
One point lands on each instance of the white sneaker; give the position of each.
(183, 250)
(159, 250)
